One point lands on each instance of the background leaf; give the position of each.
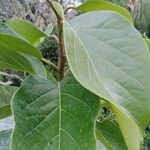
(18, 61)
(37, 65)
(51, 115)
(6, 126)
(104, 5)
(59, 9)
(25, 29)
(111, 135)
(109, 57)
(5, 139)
(6, 92)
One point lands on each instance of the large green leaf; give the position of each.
(104, 5)
(15, 44)
(26, 30)
(110, 58)
(50, 115)
(6, 93)
(110, 135)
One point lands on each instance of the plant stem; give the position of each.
(62, 59)
(50, 63)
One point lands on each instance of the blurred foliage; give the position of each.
(35, 11)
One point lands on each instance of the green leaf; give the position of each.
(49, 29)
(59, 9)
(5, 29)
(6, 93)
(15, 44)
(5, 137)
(110, 135)
(37, 65)
(15, 61)
(25, 29)
(51, 115)
(104, 5)
(109, 57)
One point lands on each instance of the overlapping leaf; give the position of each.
(94, 5)
(26, 30)
(109, 57)
(10, 58)
(50, 115)
(15, 44)
(6, 92)
(110, 135)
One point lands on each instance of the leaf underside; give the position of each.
(110, 58)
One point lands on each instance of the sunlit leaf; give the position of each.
(25, 29)
(94, 5)
(109, 57)
(59, 9)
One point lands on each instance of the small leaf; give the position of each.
(104, 5)
(51, 115)
(108, 56)
(59, 9)
(6, 93)
(110, 135)
(49, 29)
(25, 29)
(15, 44)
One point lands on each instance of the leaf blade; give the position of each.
(104, 5)
(111, 133)
(6, 92)
(63, 124)
(17, 45)
(25, 29)
(104, 48)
